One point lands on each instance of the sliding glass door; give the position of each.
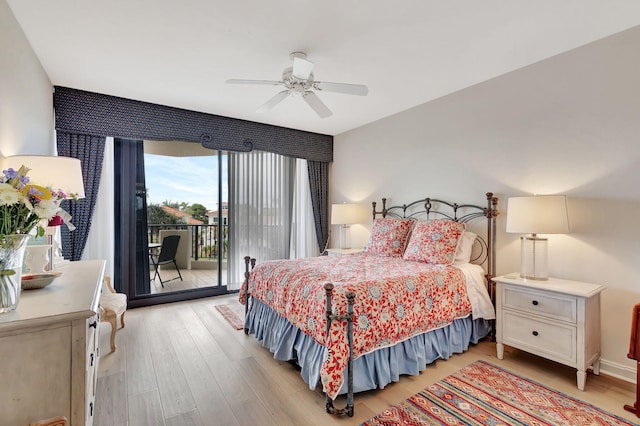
(222, 206)
(180, 190)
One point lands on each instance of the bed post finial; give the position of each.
(383, 212)
(328, 288)
(247, 260)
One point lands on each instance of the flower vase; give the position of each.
(12, 249)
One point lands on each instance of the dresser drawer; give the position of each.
(548, 305)
(551, 340)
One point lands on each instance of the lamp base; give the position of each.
(527, 277)
(533, 260)
(345, 237)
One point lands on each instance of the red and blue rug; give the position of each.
(233, 313)
(484, 394)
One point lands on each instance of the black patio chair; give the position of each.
(167, 255)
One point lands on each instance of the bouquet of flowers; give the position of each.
(25, 205)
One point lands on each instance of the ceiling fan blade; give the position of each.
(349, 89)
(316, 104)
(267, 82)
(268, 106)
(302, 68)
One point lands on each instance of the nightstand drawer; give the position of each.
(553, 341)
(545, 304)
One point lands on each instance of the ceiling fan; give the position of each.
(298, 80)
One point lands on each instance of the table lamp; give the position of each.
(59, 173)
(345, 215)
(542, 214)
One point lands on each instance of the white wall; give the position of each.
(569, 125)
(26, 100)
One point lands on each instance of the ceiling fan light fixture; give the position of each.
(302, 68)
(299, 80)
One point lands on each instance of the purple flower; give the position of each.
(10, 173)
(35, 192)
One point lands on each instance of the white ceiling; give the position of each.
(180, 53)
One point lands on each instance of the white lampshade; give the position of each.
(345, 214)
(62, 173)
(544, 214)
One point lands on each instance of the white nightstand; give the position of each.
(555, 319)
(337, 251)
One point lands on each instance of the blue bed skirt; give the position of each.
(370, 371)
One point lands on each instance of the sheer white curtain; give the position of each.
(101, 239)
(260, 206)
(303, 229)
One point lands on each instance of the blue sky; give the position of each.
(189, 179)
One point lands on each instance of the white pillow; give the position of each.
(465, 245)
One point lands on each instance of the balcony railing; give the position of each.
(205, 243)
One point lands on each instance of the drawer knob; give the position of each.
(93, 324)
(535, 333)
(535, 303)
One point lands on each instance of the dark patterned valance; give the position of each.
(78, 111)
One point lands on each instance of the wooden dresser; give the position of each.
(49, 349)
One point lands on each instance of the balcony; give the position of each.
(202, 269)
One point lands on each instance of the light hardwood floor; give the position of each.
(182, 364)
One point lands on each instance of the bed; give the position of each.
(357, 322)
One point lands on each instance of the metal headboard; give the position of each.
(431, 208)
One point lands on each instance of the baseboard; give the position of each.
(619, 371)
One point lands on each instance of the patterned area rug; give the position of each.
(233, 313)
(484, 394)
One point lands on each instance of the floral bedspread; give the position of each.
(395, 300)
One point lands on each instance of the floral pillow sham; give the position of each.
(434, 242)
(389, 236)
